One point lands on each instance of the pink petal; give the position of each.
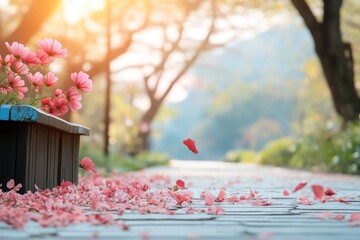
(299, 187)
(318, 191)
(329, 192)
(10, 184)
(180, 184)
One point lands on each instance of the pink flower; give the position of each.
(59, 93)
(36, 80)
(32, 58)
(60, 106)
(17, 84)
(52, 48)
(43, 57)
(48, 106)
(20, 68)
(18, 50)
(73, 96)
(88, 165)
(82, 81)
(16, 65)
(50, 79)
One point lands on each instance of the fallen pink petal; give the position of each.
(299, 187)
(180, 184)
(329, 192)
(318, 191)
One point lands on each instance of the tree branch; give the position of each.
(308, 17)
(197, 53)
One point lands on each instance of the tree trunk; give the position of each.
(335, 56)
(144, 132)
(337, 63)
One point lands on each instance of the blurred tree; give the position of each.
(29, 22)
(178, 33)
(158, 82)
(335, 55)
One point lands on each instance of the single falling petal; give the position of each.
(286, 193)
(299, 186)
(191, 145)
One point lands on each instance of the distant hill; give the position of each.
(274, 60)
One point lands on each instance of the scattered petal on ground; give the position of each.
(180, 184)
(95, 195)
(329, 192)
(299, 187)
(318, 191)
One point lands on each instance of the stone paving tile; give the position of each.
(285, 219)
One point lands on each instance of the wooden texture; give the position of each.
(37, 148)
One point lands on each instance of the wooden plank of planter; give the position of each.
(44, 149)
(7, 151)
(53, 155)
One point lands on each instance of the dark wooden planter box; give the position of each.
(37, 148)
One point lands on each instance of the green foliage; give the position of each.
(240, 156)
(123, 162)
(278, 152)
(315, 150)
(326, 149)
(347, 148)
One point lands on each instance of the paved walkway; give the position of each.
(286, 218)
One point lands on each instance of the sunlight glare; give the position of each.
(75, 10)
(4, 4)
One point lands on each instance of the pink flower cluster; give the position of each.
(18, 65)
